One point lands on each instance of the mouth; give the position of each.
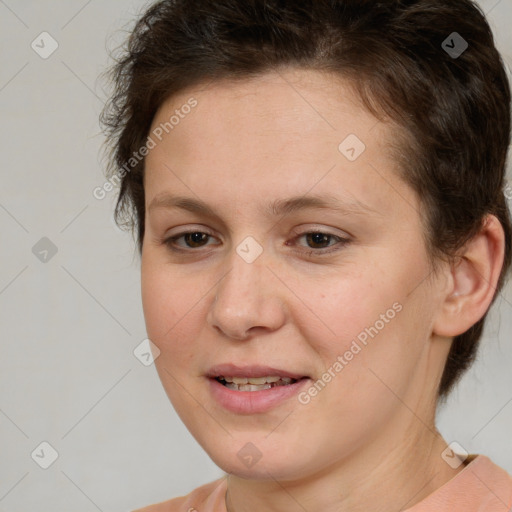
(253, 389)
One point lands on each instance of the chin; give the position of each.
(271, 470)
(249, 462)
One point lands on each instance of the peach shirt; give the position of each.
(481, 486)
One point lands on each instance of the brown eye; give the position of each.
(195, 239)
(318, 238)
(320, 241)
(192, 239)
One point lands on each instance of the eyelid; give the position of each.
(193, 229)
(327, 230)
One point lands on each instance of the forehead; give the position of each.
(287, 131)
(277, 100)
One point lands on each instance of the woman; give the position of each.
(317, 189)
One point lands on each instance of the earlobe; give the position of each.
(474, 277)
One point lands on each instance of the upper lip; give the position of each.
(232, 370)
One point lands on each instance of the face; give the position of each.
(280, 249)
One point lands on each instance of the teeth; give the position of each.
(236, 380)
(256, 380)
(247, 387)
(254, 383)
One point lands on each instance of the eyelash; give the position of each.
(169, 242)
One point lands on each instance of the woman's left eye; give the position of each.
(195, 239)
(319, 238)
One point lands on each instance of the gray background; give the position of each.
(68, 375)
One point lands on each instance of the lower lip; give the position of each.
(254, 402)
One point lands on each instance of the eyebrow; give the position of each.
(279, 207)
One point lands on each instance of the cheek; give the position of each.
(373, 323)
(346, 309)
(170, 312)
(166, 302)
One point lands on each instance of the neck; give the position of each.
(381, 477)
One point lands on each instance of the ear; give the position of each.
(472, 281)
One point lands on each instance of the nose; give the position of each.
(249, 299)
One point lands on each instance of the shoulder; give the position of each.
(482, 485)
(209, 496)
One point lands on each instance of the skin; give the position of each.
(368, 440)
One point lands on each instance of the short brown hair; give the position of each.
(407, 59)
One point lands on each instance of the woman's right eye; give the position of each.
(193, 239)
